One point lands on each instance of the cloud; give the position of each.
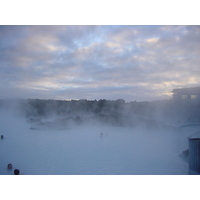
(152, 40)
(130, 62)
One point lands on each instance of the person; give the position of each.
(9, 166)
(1, 136)
(16, 172)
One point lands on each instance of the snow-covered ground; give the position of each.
(84, 150)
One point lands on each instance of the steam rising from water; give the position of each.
(90, 149)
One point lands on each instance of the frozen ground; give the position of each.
(82, 150)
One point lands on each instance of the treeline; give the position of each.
(166, 111)
(39, 107)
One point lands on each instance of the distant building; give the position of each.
(187, 94)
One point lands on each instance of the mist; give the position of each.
(48, 137)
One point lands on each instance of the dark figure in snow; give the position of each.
(16, 172)
(9, 166)
(101, 134)
(1, 136)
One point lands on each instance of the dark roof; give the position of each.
(182, 90)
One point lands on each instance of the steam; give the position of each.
(111, 137)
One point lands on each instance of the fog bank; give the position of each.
(100, 144)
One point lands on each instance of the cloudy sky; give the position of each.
(98, 62)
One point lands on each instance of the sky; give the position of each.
(134, 63)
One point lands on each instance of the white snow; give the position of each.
(82, 150)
